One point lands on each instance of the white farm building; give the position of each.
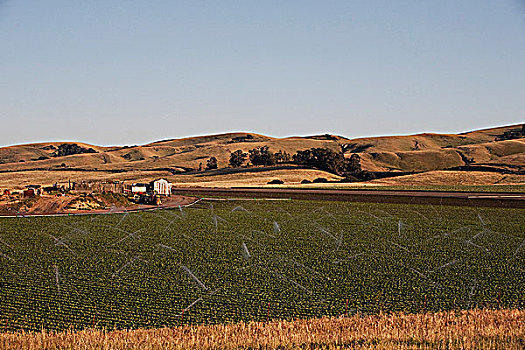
(161, 187)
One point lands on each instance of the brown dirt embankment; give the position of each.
(74, 204)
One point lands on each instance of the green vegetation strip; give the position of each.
(229, 261)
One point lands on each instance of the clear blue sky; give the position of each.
(129, 72)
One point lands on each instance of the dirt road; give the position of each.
(474, 199)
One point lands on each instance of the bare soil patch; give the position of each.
(62, 205)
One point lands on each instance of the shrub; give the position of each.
(276, 182)
(211, 163)
(367, 175)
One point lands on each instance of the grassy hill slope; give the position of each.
(419, 153)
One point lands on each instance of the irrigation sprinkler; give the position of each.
(327, 213)
(400, 229)
(450, 263)
(339, 241)
(481, 220)
(339, 261)
(192, 275)
(419, 273)
(124, 217)
(516, 251)
(297, 217)
(220, 219)
(324, 230)
(68, 237)
(469, 242)
(385, 212)
(264, 233)
(135, 258)
(276, 227)
(295, 262)
(130, 235)
(294, 283)
(240, 208)
(57, 277)
(400, 247)
(59, 242)
(424, 277)
(213, 292)
(248, 267)
(285, 212)
(245, 251)
(182, 212)
(472, 285)
(163, 246)
(170, 213)
(430, 239)
(447, 234)
(476, 236)
(215, 223)
(452, 233)
(418, 213)
(369, 214)
(4, 243)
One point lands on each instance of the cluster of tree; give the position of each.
(328, 160)
(258, 156)
(318, 158)
(237, 158)
(67, 149)
(512, 134)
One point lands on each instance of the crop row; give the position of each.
(256, 260)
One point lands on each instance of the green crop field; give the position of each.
(226, 261)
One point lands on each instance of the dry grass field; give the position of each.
(38, 163)
(474, 329)
(442, 178)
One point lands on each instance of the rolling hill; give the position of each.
(499, 149)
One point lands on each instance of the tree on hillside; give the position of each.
(261, 156)
(211, 163)
(321, 158)
(353, 164)
(282, 157)
(67, 149)
(512, 134)
(237, 158)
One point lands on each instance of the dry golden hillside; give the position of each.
(52, 161)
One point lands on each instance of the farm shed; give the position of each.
(161, 187)
(139, 188)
